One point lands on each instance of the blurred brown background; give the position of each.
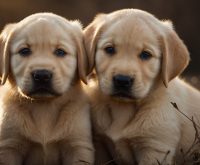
(184, 14)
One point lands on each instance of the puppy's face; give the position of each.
(44, 55)
(129, 49)
(127, 61)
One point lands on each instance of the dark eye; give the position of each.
(145, 55)
(60, 52)
(25, 52)
(110, 50)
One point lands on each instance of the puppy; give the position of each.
(137, 59)
(44, 114)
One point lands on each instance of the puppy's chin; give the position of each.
(120, 97)
(43, 96)
(125, 97)
(40, 94)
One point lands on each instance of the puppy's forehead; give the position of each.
(130, 30)
(44, 30)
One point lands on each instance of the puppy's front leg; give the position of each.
(11, 151)
(102, 154)
(10, 157)
(154, 157)
(77, 153)
(124, 155)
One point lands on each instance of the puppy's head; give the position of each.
(130, 50)
(42, 54)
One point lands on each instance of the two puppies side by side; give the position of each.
(137, 59)
(44, 113)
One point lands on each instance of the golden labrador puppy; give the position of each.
(44, 114)
(137, 59)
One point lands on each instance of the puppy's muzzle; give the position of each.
(122, 85)
(42, 82)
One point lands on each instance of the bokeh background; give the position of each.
(185, 15)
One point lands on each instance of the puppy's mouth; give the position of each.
(122, 94)
(42, 92)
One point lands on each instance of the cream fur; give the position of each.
(46, 129)
(145, 128)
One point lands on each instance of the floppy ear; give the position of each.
(81, 55)
(5, 38)
(175, 54)
(91, 35)
(82, 62)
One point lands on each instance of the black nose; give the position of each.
(122, 81)
(42, 76)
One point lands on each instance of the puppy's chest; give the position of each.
(124, 122)
(44, 123)
(113, 119)
(40, 125)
